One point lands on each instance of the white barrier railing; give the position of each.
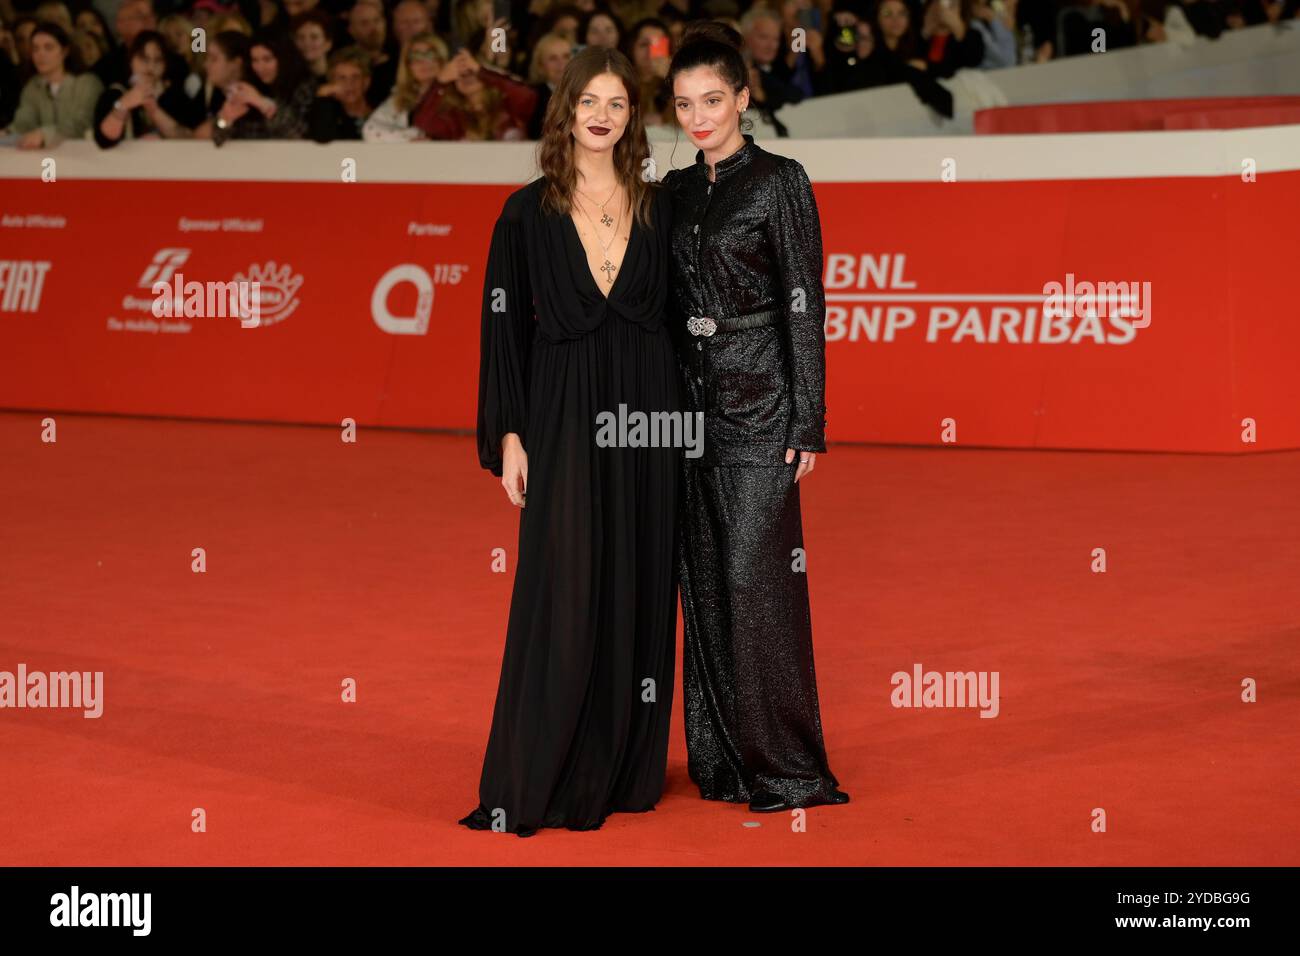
(1259, 61)
(923, 159)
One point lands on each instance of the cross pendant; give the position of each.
(605, 219)
(609, 269)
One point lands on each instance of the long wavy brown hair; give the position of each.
(555, 150)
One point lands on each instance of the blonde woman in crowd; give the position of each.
(424, 55)
(551, 55)
(475, 102)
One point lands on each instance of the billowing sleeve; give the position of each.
(795, 232)
(505, 339)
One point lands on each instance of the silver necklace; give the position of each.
(608, 267)
(604, 216)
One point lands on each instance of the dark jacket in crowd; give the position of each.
(328, 121)
(944, 54)
(172, 101)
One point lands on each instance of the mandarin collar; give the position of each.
(725, 167)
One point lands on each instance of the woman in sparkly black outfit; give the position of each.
(746, 309)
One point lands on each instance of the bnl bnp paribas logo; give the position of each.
(871, 298)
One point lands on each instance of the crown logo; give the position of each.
(277, 286)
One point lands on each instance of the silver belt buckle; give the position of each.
(701, 325)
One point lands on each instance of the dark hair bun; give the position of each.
(712, 30)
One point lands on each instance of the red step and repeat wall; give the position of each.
(371, 300)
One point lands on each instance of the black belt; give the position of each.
(706, 325)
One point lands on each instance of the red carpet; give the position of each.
(325, 561)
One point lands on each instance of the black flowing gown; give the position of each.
(580, 726)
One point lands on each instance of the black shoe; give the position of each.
(765, 801)
(833, 797)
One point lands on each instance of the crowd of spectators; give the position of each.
(418, 70)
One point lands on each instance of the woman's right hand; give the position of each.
(514, 468)
(232, 110)
(137, 95)
(463, 62)
(450, 70)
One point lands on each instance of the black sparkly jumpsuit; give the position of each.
(746, 244)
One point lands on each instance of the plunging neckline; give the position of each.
(586, 268)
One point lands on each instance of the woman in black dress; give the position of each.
(573, 326)
(748, 311)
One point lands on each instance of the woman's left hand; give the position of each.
(807, 461)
